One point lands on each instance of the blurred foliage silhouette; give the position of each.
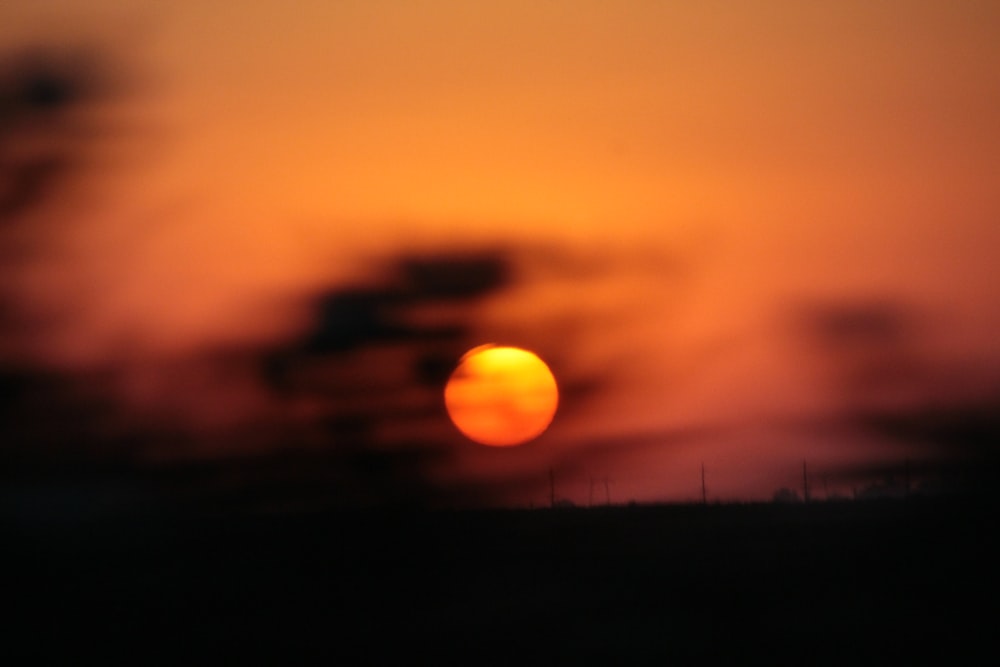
(44, 92)
(327, 417)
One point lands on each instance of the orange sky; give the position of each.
(720, 162)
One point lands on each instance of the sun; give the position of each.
(501, 396)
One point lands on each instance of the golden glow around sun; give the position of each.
(501, 396)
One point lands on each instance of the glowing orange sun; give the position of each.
(501, 396)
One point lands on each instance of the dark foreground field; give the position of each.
(848, 583)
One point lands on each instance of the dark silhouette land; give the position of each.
(853, 582)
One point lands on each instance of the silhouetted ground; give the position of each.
(889, 582)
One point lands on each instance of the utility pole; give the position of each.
(552, 488)
(805, 483)
(704, 493)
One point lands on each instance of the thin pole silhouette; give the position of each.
(805, 483)
(704, 493)
(552, 488)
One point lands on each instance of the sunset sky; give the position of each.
(742, 234)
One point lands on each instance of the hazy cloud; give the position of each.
(895, 385)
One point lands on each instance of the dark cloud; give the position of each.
(865, 345)
(42, 134)
(48, 80)
(374, 363)
(45, 415)
(879, 322)
(455, 276)
(892, 384)
(64, 444)
(346, 320)
(968, 427)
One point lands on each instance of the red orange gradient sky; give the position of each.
(716, 168)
